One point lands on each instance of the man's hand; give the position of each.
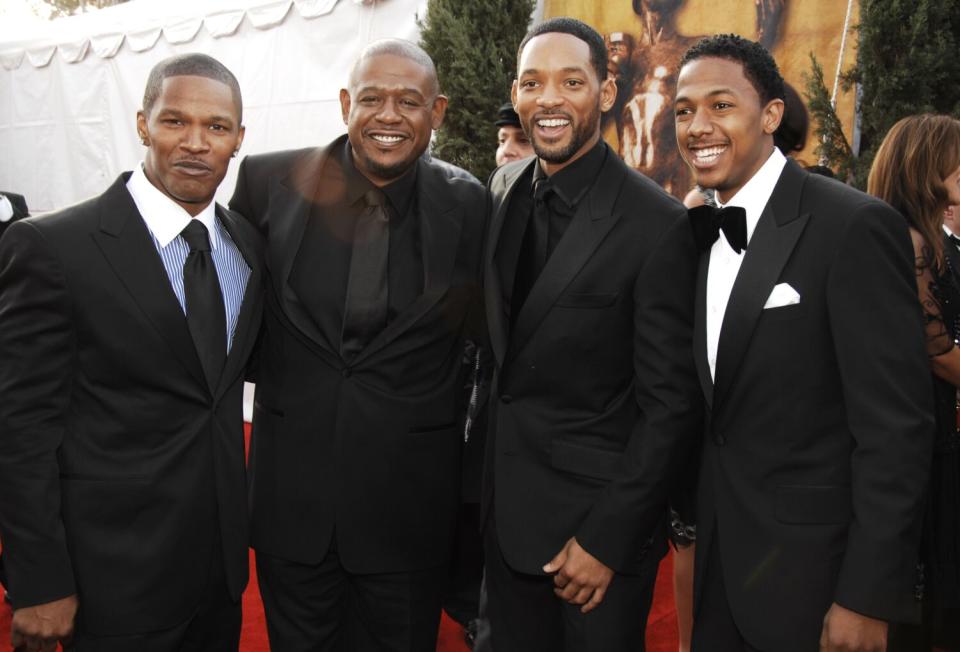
(848, 631)
(580, 578)
(42, 626)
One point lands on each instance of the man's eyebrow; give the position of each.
(713, 93)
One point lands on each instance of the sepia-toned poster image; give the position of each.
(646, 39)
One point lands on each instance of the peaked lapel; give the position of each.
(776, 235)
(440, 222)
(125, 242)
(493, 296)
(700, 331)
(250, 307)
(291, 201)
(590, 225)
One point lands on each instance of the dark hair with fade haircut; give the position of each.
(579, 29)
(758, 65)
(192, 64)
(399, 48)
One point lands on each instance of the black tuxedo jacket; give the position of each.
(118, 464)
(368, 452)
(820, 431)
(20, 210)
(596, 402)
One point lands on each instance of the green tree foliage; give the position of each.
(832, 146)
(908, 62)
(474, 45)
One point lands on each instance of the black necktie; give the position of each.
(365, 310)
(534, 249)
(206, 316)
(708, 221)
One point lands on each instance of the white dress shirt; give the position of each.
(724, 261)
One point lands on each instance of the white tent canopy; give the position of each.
(69, 92)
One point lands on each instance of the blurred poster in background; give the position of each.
(646, 39)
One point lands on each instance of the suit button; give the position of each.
(345, 372)
(720, 439)
(506, 398)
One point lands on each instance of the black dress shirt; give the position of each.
(320, 273)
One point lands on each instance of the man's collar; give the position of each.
(399, 192)
(573, 181)
(756, 192)
(164, 217)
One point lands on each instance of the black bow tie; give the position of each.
(708, 221)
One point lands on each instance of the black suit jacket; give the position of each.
(820, 429)
(118, 464)
(20, 210)
(596, 403)
(368, 450)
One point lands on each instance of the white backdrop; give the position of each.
(69, 95)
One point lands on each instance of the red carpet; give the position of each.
(661, 627)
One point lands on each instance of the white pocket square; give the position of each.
(782, 295)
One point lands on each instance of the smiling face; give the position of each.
(191, 132)
(724, 131)
(512, 145)
(559, 98)
(390, 111)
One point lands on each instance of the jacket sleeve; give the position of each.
(877, 329)
(36, 357)
(670, 402)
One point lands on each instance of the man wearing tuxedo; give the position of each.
(595, 401)
(809, 349)
(373, 255)
(127, 323)
(13, 207)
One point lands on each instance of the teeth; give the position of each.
(387, 139)
(553, 122)
(708, 154)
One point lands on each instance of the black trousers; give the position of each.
(462, 595)
(526, 615)
(325, 608)
(714, 629)
(213, 627)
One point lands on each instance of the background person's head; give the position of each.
(191, 125)
(729, 103)
(917, 171)
(791, 136)
(561, 89)
(512, 142)
(391, 107)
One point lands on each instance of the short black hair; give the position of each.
(758, 65)
(400, 48)
(579, 29)
(191, 64)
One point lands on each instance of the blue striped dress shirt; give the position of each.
(165, 219)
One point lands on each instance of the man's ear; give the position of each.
(772, 116)
(344, 104)
(438, 111)
(142, 133)
(513, 94)
(608, 94)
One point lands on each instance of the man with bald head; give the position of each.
(373, 255)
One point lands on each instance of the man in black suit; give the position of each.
(124, 342)
(590, 314)
(13, 207)
(374, 261)
(810, 352)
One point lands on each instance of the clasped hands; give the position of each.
(579, 577)
(39, 628)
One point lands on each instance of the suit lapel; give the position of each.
(493, 297)
(776, 235)
(126, 244)
(590, 225)
(700, 331)
(440, 222)
(247, 327)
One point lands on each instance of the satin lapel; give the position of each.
(126, 244)
(291, 201)
(246, 331)
(440, 221)
(590, 225)
(493, 294)
(776, 235)
(700, 331)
